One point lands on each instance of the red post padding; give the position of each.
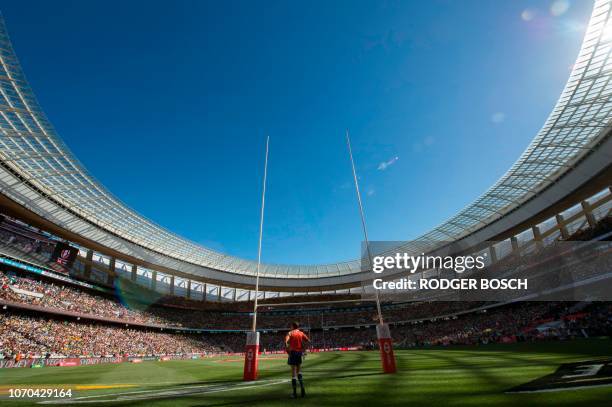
(251, 356)
(385, 344)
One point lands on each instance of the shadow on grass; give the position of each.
(337, 372)
(355, 379)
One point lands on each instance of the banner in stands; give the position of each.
(25, 292)
(40, 362)
(36, 270)
(64, 254)
(70, 362)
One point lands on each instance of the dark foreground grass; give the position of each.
(437, 377)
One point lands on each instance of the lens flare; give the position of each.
(559, 7)
(528, 14)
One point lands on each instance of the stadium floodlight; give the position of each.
(251, 353)
(383, 333)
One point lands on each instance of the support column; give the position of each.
(537, 236)
(188, 288)
(134, 273)
(154, 280)
(204, 293)
(562, 227)
(493, 254)
(172, 285)
(586, 208)
(110, 277)
(89, 259)
(515, 246)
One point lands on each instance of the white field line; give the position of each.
(153, 394)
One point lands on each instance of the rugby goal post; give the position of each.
(251, 351)
(385, 342)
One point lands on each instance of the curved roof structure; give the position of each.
(53, 183)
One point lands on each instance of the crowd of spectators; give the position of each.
(38, 336)
(509, 323)
(61, 297)
(596, 321)
(330, 326)
(246, 306)
(52, 295)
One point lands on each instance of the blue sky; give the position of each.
(168, 105)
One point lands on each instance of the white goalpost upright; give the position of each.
(251, 354)
(385, 343)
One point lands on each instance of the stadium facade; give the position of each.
(561, 180)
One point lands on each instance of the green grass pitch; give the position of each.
(451, 377)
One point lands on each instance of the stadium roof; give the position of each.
(31, 149)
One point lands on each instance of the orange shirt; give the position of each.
(295, 338)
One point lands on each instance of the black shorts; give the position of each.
(295, 358)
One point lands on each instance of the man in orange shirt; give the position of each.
(295, 346)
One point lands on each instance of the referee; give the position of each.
(295, 346)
